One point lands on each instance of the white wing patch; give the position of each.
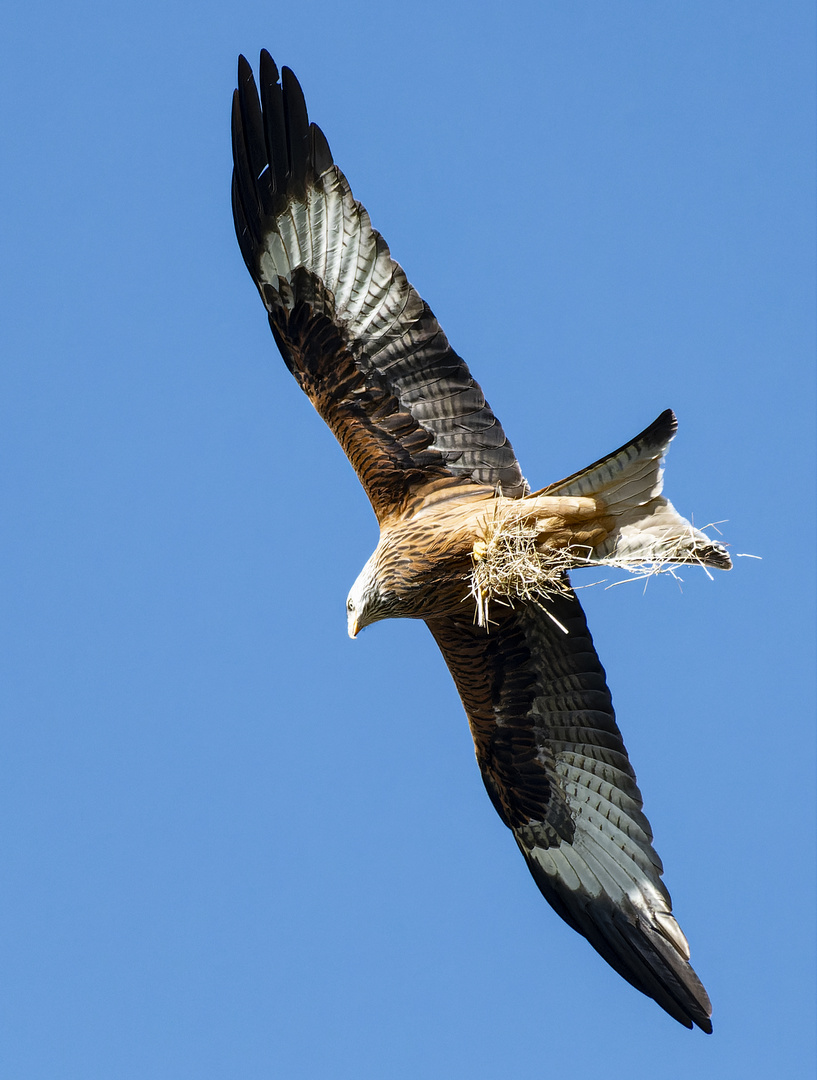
(330, 235)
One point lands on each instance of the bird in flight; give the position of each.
(465, 545)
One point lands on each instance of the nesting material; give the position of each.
(512, 562)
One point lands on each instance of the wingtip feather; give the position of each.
(267, 67)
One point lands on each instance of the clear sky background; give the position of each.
(236, 844)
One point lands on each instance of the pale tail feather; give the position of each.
(648, 529)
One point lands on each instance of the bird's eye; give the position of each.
(350, 605)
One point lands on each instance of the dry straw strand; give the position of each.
(508, 565)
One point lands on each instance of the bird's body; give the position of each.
(464, 545)
(424, 561)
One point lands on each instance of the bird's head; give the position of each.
(362, 601)
(367, 601)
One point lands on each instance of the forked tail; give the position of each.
(648, 530)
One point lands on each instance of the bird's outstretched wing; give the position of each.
(557, 771)
(362, 344)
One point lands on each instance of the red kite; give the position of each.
(464, 545)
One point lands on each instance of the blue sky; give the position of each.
(236, 844)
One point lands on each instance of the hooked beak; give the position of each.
(353, 627)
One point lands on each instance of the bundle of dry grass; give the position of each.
(510, 563)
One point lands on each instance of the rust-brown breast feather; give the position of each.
(363, 345)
